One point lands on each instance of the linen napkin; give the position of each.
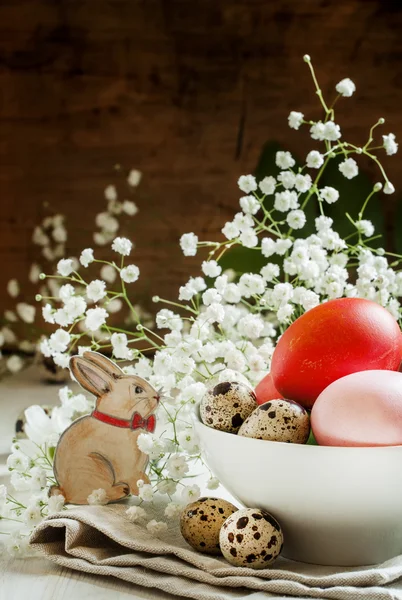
(102, 541)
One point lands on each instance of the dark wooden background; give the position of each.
(187, 91)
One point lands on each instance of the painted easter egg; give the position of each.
(266, 390)
(330, 341)
(361, 409)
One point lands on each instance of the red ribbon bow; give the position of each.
(137, 422)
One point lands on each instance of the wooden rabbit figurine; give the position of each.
(100, 450)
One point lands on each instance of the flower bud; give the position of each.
(388, 188)
(378, 186)
(38, 297)
(307, 58)
(381, 121)
(155, 299)
(42, 276)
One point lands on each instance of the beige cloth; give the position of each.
(100, 540)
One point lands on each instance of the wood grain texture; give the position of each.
(187, 91)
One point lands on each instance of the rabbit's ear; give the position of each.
(104, 363)
(90, 376)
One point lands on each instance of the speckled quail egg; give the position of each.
(251, 537)
(227, 405)
(201, 521)
(278, 421)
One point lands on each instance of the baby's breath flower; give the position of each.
(249, 205)
(95, 318)
(130, 208)
(14, 363)
(230, 230)
(332, 131)
(314, 159)
(267, 185)
(345, 87)
(365, 227)
(247, 183)
(303, 183)
(267, 247)
(59, 340)
(211, 268)
(295, 119)
(329, 194)
(287, 179)
(26, 312)
(390, 145)
(349, 168)
(388, 188)
(65, 267)
(249, 238)
(98, 497)
(110, 192)
(177, 466)
(213, 483)
(96, 290)
(190, 493)
(130, 274)
(13, 288)
(286, 200)
(317, 131)
(296, 219)
(284, 160)
(188, 244)
(122, 245)
(119, 344)
(146, 493)
(136, 514)
(87, 256)
(156, 528)
(134, 178)
(55, 504)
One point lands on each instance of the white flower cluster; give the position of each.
(225, 324)
(51, 236)
(31, 471)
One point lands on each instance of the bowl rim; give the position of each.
(197, 417)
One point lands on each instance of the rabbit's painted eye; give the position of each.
(138, 390)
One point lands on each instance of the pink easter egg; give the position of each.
(361, 409)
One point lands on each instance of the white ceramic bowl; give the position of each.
(337, 506)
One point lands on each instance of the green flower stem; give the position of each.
(153, 333)
(365, 204)
(317, 87)
(178, 305)
(370, 139)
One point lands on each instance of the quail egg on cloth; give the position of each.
(251, 537)
(227, 405)
(278, 421)
(201, 521)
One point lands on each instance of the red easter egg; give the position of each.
(330, 341)
(266, 390)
